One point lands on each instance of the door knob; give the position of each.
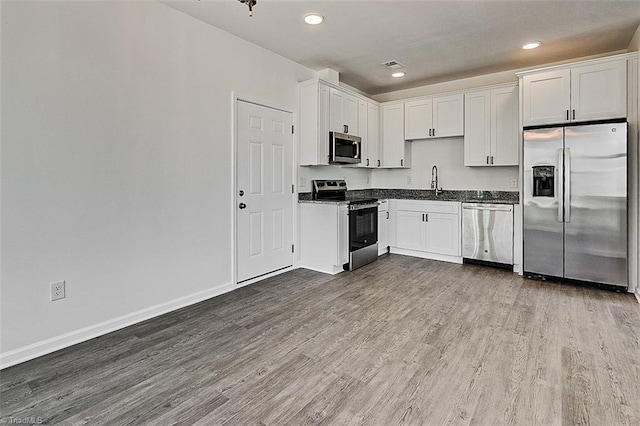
(242, 205)
(241, 193)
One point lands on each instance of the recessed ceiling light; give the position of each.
(398, 74)
(313, 18)
(531, 45)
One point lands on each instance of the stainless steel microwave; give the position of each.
(344, 148)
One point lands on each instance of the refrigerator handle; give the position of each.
(567, 185)
(558, 182)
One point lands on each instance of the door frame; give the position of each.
(235, 98)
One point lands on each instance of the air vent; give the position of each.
(393, 64)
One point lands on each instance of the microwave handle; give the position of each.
(357, 149)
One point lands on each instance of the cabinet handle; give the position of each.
(345, 128)
(387, 215)
(426, 217)
(401, 163)
(378, 163)
(574, 114)
(487, 159)
(567, 114)
(434, 132)
(423, 217)
(367, 162)
(492, 159)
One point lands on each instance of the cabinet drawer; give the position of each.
(429, 206)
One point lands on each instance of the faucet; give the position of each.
(434, 180)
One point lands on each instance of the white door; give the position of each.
(448, 116)
(264, 200)
(443, 234)
(477, 128)
(393, 136)
(418, 117)
(599, 91)
(546, 98)
(410, 230)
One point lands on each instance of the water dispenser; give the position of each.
(543, 181)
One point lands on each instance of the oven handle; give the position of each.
(363, 206)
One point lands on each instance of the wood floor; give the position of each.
(400, 341)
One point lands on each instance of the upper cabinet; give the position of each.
(325, 108)
(369, 128)
(313, 134)
(438, 117)
(491, 127)
(395, 151)
(343, 109)
(579, 93)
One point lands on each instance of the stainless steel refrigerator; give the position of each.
(575, 203)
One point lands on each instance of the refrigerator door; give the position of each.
(596, 203)
(543, 218)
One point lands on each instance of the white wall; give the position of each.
(448, 155)
(356, 178)
(116, 163)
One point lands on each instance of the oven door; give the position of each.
(363, 226)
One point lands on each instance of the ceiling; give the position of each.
(435, 40)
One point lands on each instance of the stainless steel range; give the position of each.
(363, 221)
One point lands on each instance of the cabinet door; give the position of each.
(336, 110)
(477, 125)
(418, 119)
(599, 91)
(448, 114)
(313, 131)
(350, 114)
(443, 234)
(546, 97)
(363, 124)
(504, 126)
(373, 134)
(393, 136)
(410, 231)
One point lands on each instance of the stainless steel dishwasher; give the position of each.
(487, 234)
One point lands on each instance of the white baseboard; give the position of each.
(425, 255)
(47, 346)
(265, 276)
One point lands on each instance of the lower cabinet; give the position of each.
(383, 227)
(324, 237)
(428, 228)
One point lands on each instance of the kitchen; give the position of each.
(136, 214)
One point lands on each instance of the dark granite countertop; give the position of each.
(493, 197)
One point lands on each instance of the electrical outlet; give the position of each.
(57, 290)
(302, 182)
(409, 180)
(514, 182)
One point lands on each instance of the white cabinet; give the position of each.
(383, 227)
(369, 127)
(439, 117)
(418, 121)
(591, 91)
(599, 91)
(491, 127)
(343, 109)
(395, 151)
(313, 133)
(428, 228)
(324, 237)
